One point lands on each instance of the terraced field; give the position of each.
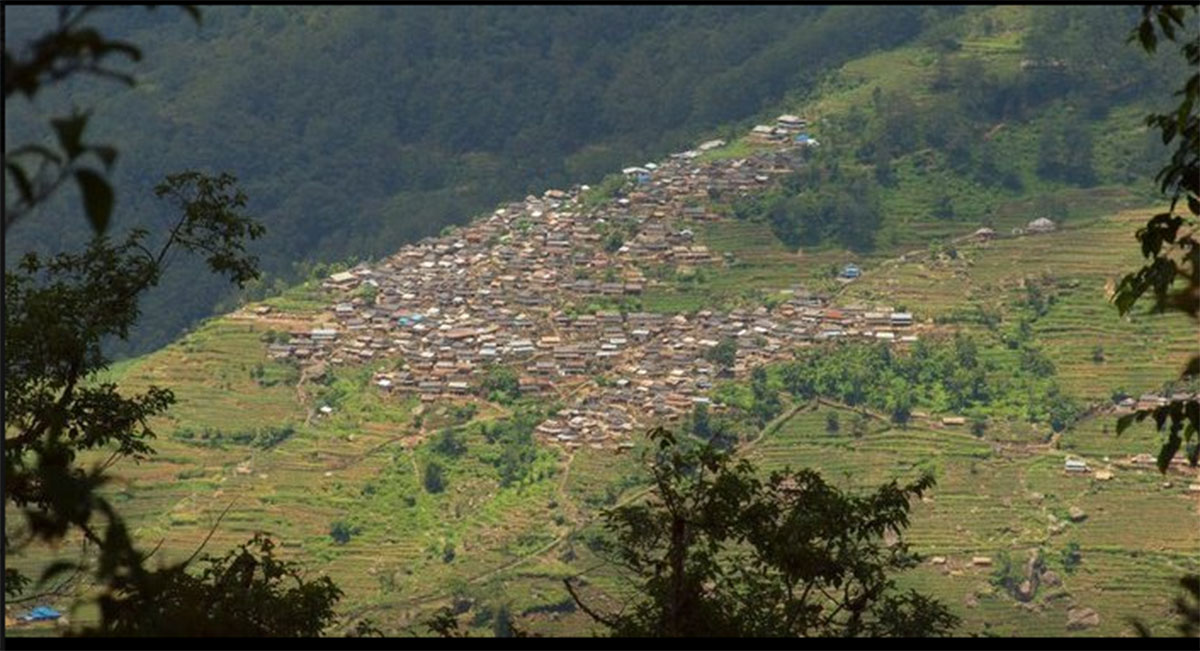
(1002, 492)
(993, 498)
(362, 465)
(1082, 261)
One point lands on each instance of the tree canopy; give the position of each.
(59, 310)
(1169, 241)
(718, 551)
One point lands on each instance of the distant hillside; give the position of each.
(956, 129)
(357, 129)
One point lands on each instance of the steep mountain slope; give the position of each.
(248, 425)
(356, 129)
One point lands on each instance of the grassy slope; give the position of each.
(508, 541)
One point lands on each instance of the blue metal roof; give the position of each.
(43, 612)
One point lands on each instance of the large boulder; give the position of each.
(1051, 579)
(1081, 618)
(1076, 514)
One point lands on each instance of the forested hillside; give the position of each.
(356, 129)
(422, 433)
(414, 118)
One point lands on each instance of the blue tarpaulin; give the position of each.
(42, 613)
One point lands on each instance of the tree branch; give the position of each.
(591, 613)
(210, 533)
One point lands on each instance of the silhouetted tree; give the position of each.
(1169, 240)
(717, 551)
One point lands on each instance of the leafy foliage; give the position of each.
(724, 354)
(1071, 557)
(517, 450)
(435, 477)
(246, 593)
(57, 314)
(716, 551)
(501, 384)
(1169, 241)
(449, 443)
(263, 438)
(341, 532)
(36, 172)
(766, 399)
(938, 374)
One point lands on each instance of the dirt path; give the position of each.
(441, 597)
(302, 396)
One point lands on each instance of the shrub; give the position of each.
(435, 481)
(1071, 557)
(342, 532)
(449, 443)
(832, 423)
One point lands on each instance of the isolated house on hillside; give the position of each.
(984, 234)
(1075, 465)
(1041, 225)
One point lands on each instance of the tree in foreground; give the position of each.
(1172, 271)
(717, 551)
(246, 593)
(1169, 240)
(58, 313)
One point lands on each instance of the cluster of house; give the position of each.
(503, 291)
(1128, 404)
(786, 127)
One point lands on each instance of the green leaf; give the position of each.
(1124, 422)
(97, 198)
(70, 133)
(1192, 368)
(1168, 451)
(21, 180)
(1146, 36)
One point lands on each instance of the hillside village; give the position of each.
(499, 291)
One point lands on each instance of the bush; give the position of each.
(978, 426)
(832, 423)
(859, 426)
(449, 443)
(435, 481)
(501, 385)
(342, 532)
(724, 354)
(1071, 557)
